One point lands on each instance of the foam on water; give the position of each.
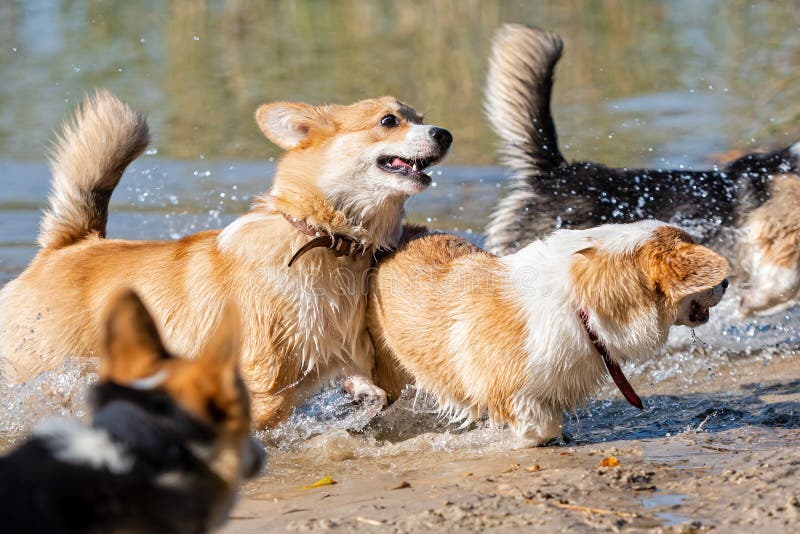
(332, 421)
(62, 391)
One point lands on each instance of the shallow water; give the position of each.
(645, 84)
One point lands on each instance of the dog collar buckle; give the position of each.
(340, 245)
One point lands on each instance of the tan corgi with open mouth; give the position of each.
(529, 335)
(295, 265)
(167, 448)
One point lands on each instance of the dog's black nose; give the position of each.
(725, 284)
(442, 137)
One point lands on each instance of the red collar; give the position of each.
(613, 367)
(340, 245)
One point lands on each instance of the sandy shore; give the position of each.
(732, 468)
(717, 448)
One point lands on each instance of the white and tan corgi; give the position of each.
(529, 335)
(167, 447)
(769, 250)
(295, 265)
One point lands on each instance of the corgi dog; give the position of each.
(547, 192)
(167, 447)
(295, 265)
(526, 336)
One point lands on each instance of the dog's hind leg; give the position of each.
(269, 409)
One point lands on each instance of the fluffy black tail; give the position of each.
(517, 103)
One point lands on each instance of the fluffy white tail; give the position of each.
(87, 161)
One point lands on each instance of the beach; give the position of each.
(718, 453)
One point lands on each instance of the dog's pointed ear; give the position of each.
(221, 353)
(130, 344)
(692, 269)
(289, 124)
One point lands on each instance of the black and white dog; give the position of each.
(547, 192)
(167, 448)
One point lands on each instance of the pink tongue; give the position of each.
(397, 162)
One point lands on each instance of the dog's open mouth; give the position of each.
(412, 168)
(699, 314)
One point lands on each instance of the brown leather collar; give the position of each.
(340, 245)
(613, 367)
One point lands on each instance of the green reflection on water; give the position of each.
(199, 69)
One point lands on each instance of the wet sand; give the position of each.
(730, 466)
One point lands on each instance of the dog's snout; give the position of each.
(725, 284)
(254, 458)
(442, 137)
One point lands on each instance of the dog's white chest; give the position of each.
(323, 309)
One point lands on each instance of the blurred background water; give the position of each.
(646, 83)
(641, 83)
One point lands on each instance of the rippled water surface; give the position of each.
(646, 83)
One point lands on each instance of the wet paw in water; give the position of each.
(365, 392)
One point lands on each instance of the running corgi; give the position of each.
(295, 265)
(529, 335)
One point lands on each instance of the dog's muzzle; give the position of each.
(442, 137)
(253, 458)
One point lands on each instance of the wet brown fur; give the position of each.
(444, 314)
(50, 311)
(418, 294)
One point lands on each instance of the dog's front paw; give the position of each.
(364, 391)
(538, 441)
(546, 430)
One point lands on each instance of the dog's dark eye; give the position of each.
(389, 121)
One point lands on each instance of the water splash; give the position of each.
(62, 391)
